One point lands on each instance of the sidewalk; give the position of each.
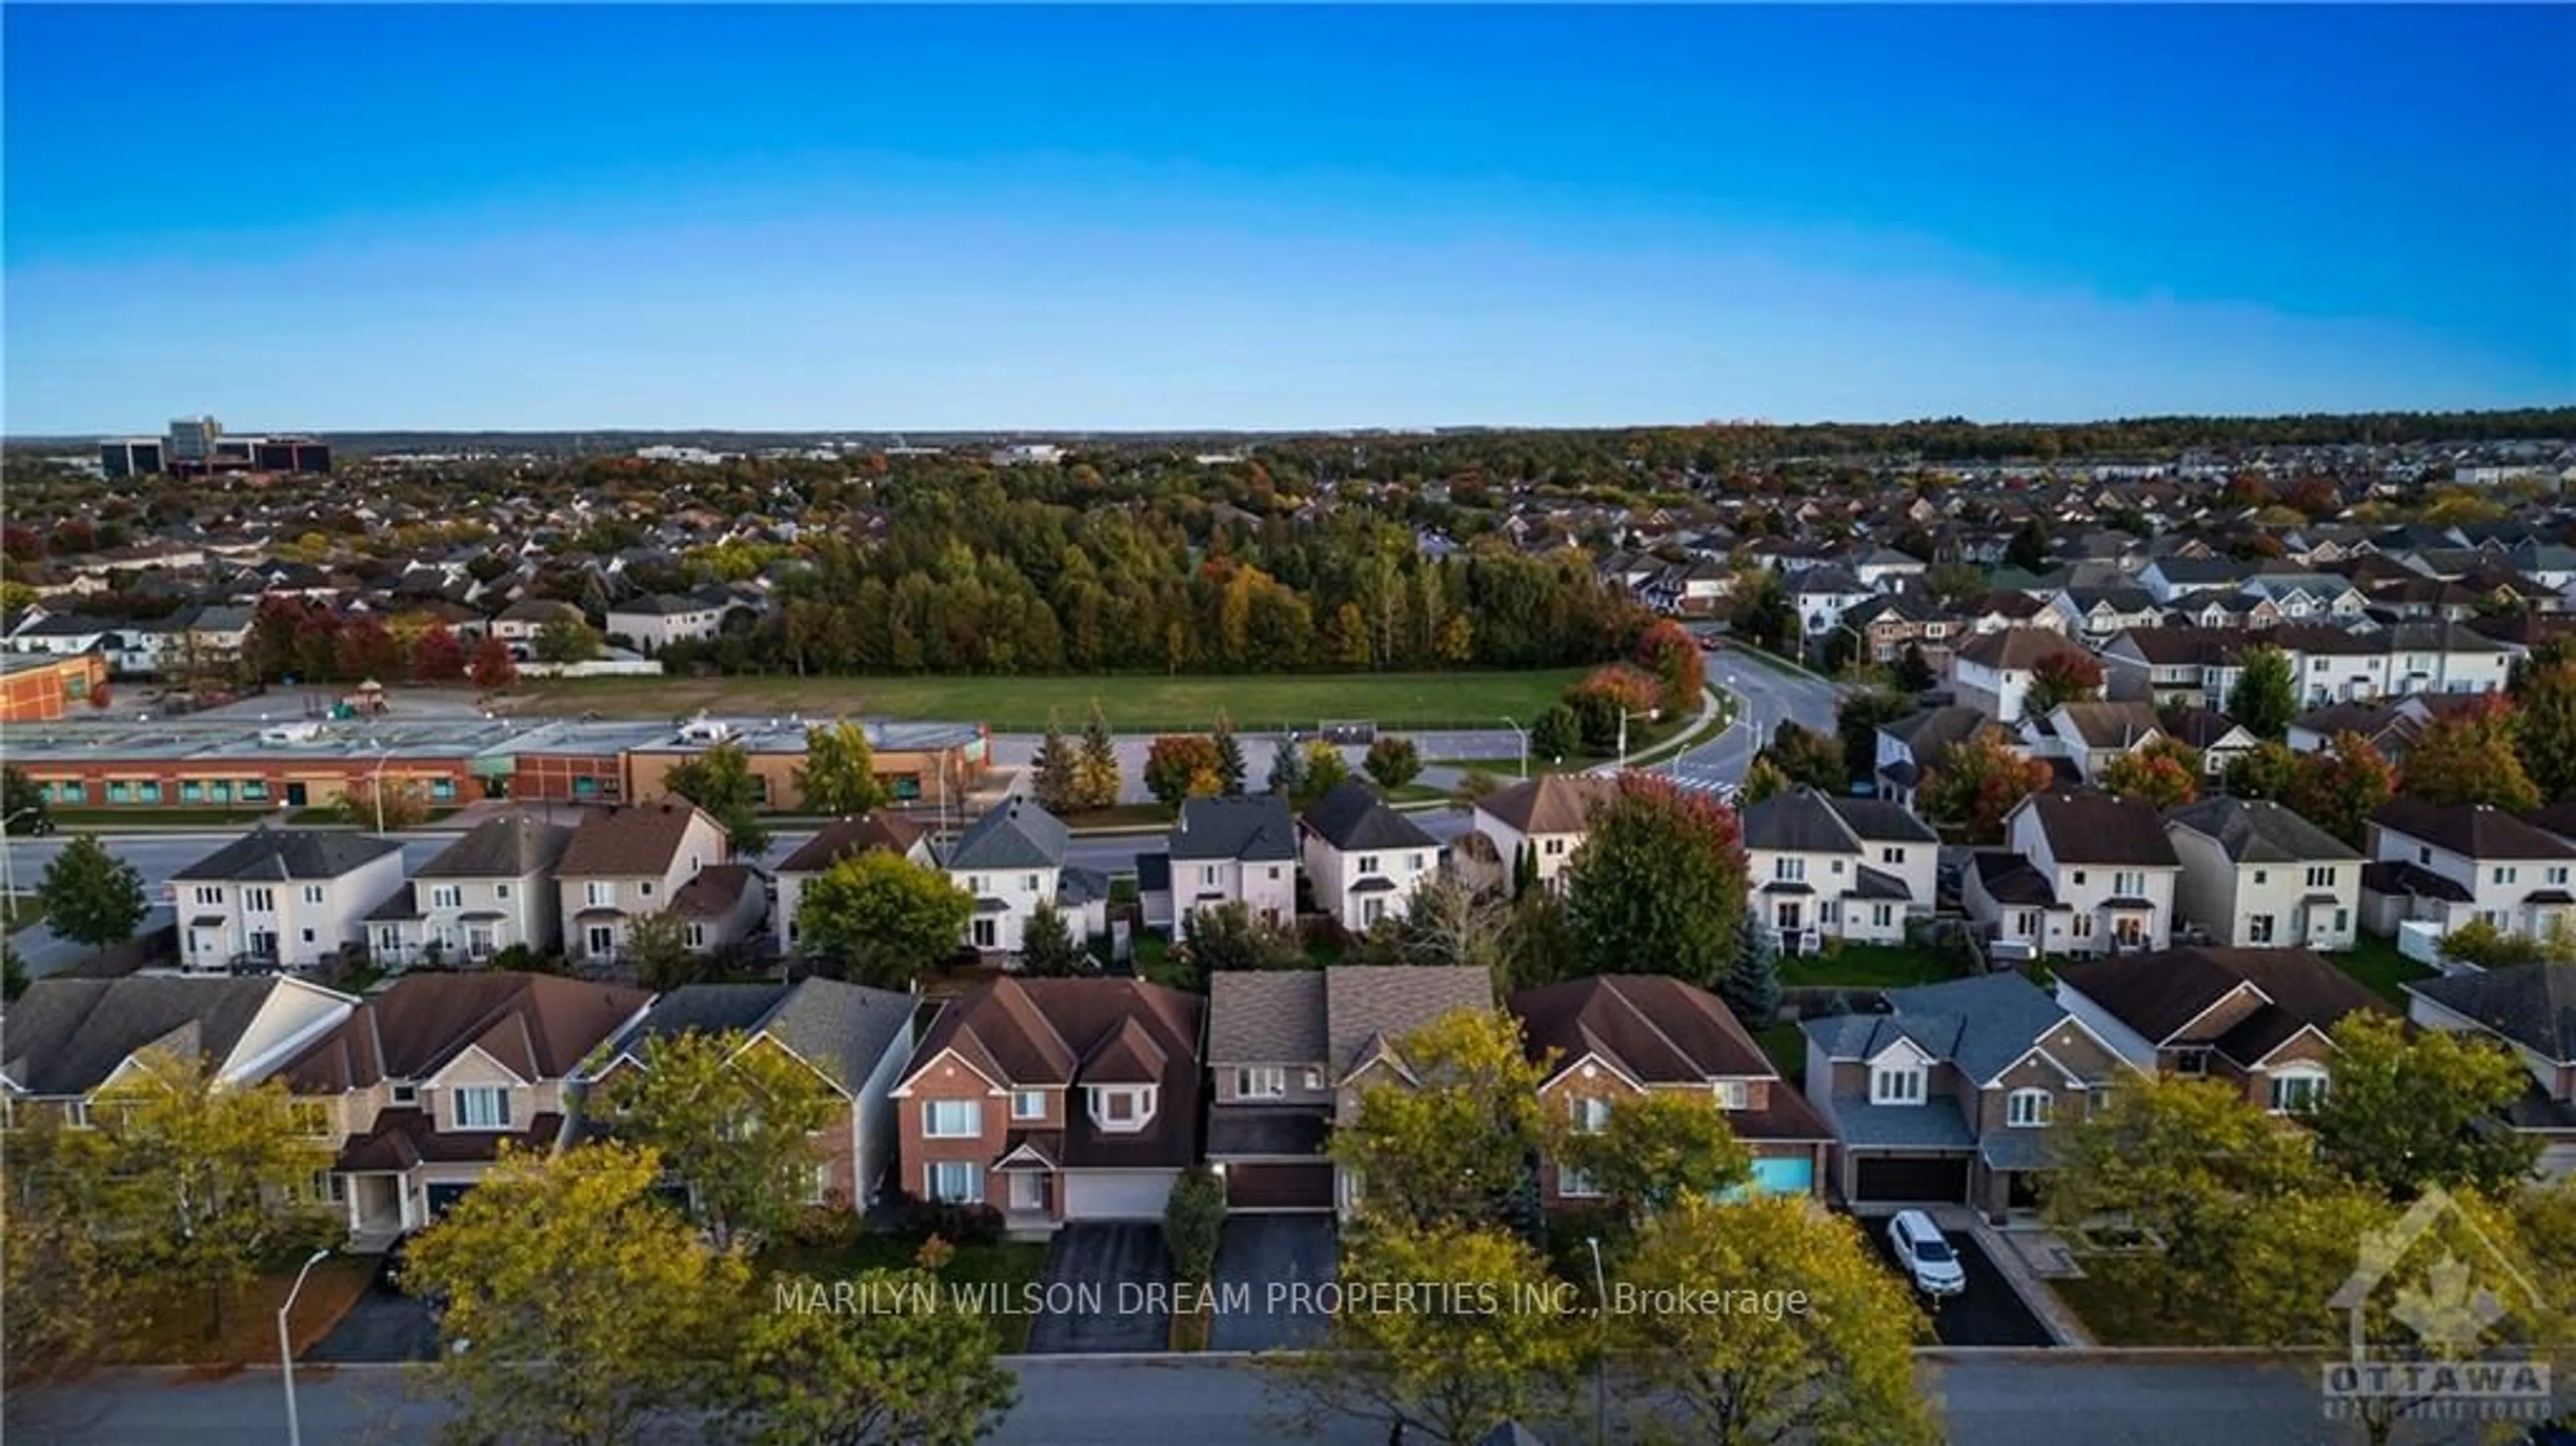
(2024, 1255)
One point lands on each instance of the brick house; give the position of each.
(1054, 1100)
(1619, 1036)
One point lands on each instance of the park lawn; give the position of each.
(2375, 962)
(1256, 703)
(1009, 1265)
(182, 1329)
(2119, 1314)
(1868, 966)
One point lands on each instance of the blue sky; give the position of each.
(452, 217)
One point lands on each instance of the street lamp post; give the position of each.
(8, 886)
(1601, 1355)
(286, 1349)
(1523, 735)
(1649, 715)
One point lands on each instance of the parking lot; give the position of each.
(1260, 1263)
(1112, 1265)
(1987, 1313)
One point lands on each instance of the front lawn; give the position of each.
(2375, 962)
(1869, 966)
(1007, 1267)
(182, 1329)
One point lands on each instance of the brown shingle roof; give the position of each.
(714, 891)
(1550, 804)
(1053, 1031)
(539, 1026)
(2095, 828)
(2471, 830)
(1655, 1029)
(848, 837)
(629, 840)
(2161, 993)
(2017, 648)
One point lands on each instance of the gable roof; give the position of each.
(67, 1036)
(628, 840)
(1981, 1024)
(1799, 821)
(1368, 1005)
(2161, 994)
(1047, 1032)
(289, 853)
(2095, 828)
(714, 891)
(1014, 834)
(2472, 830)
(1352, 818)
(844, 838)
(841, 1028)
(2534, 1005)
(1252, 827)
(2017, 649)
(538, 1026)
(2260, 831)
(2111, 725)
(1550, 803)
(1264, 1016)
(1654, 1029)
(511, 846)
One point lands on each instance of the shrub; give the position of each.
(1193, 1220)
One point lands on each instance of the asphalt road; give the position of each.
(1987, 1402)
(1770, 694)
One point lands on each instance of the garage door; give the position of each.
(1279, 1187)
(442, 1198)
(1116, 1195)
(1913, 1178)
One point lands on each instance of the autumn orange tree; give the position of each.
(2068, 676)
(1979, 782)
(2469, 757)
(2338, 790)
(2165, 773)
(1180, 764)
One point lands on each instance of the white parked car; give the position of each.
(1925, 1255)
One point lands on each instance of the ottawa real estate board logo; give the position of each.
(2438, 1325)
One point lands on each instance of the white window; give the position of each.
(1028, 1104)
(312, 1117)
(1591, 1116)
(1029, 884)
(1883, 916)
(2557, 874)
(1121, 1109)
(2262, 876)
(2079, 876)
(1314, 1078)
(260, 901)
(446, 896)
(818, 1184)
(600, 893)
(2258, 929)
(955, 1182)
(2322, 876)
(1573, 1182)
(2082, 928)
(2297, 1088)
(1260, 1082)
(951, 1119)
(2505, 875)
(697, 934)
(1734, 1094)
(2129, 884)
(1896, 1084)
(500, 891)
(482, 1107)
(1207, 876)
(313, 893)
(1413, 862)
(1891, 856)
(1789, 870)
(1364, 864)
(209, 895)
(2025, 1109)
(405, 1096)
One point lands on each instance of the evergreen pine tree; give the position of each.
(1229, 757)
(1051, 771)
(1524, 869)
(1095, 772)
(1751, 985)
(1287, 769)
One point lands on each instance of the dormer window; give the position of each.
(1122, 1109)
(482, 1107)
(1897, 1082)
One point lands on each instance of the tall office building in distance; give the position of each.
(197, 447)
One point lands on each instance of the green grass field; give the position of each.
(1257, 703)
(2374, 961)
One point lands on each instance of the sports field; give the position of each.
(1259, 703)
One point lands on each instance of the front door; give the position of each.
(1790, 916)
(295, 795)
(599, 940)
(1028, 1190)
(263, 943)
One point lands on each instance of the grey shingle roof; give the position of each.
(1880, 821)
(2095, 828)
(1254, 828)
(66, 1036)
(509, 847)
(1797, 822)
(1353, 818)
(286, 853)
(1013, 835)
(2255, 831)
(1363, 1002)
(1981, 1024)
(2472, 830)
(2534, 1005)
(843, 1029)
(1266, 1017)
(1935, 1124)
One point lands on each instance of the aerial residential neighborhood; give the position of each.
(1458, 726)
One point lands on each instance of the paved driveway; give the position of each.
(1266, 1268)
(1113, 1283)
(1987, 1313)
(384, 1325)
